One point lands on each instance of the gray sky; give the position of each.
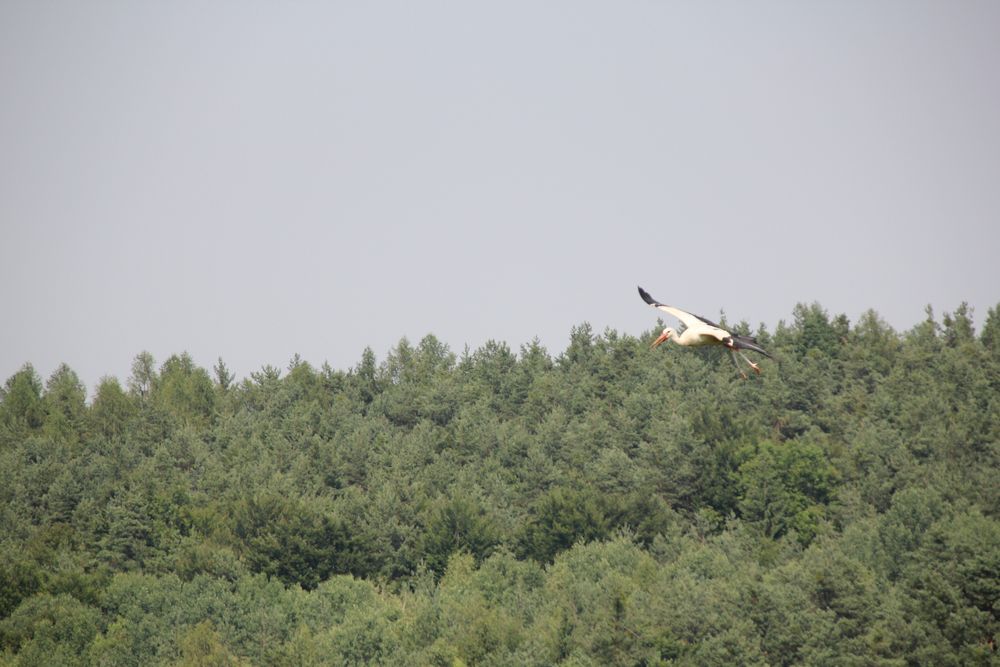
(253, 180)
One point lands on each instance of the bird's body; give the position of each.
(699, 331)
(697, 336)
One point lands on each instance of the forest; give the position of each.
(608, 504)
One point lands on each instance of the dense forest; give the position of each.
(610, 505)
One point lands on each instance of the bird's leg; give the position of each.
(737, 363)
(755, 367)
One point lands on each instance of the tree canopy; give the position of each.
(608, 505)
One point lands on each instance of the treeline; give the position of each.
(610, 505)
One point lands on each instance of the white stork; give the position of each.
(700, 331)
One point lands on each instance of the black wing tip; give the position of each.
(646, 297)
(750, 343)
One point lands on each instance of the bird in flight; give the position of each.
(699, 331)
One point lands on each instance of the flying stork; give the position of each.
(700, 331)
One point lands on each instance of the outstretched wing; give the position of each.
(689, 319)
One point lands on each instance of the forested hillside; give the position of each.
(606, 505)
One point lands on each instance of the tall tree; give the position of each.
(21, 406)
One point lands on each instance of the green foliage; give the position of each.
(291, 540)
(184, 390)
(127, 536)
(954, 582)
(562, 517)
(47, 629)
(816, 331)
(611, 505)
(457, 524)
(202, 647)
(21, 406)
(785, 487)
(65, 409)
(111, 411)
(143, 376)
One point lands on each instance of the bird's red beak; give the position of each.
(663, 337)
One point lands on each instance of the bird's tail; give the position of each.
(749, 343)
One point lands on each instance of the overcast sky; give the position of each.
(252, 180)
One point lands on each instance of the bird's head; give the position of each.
(667, 333)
